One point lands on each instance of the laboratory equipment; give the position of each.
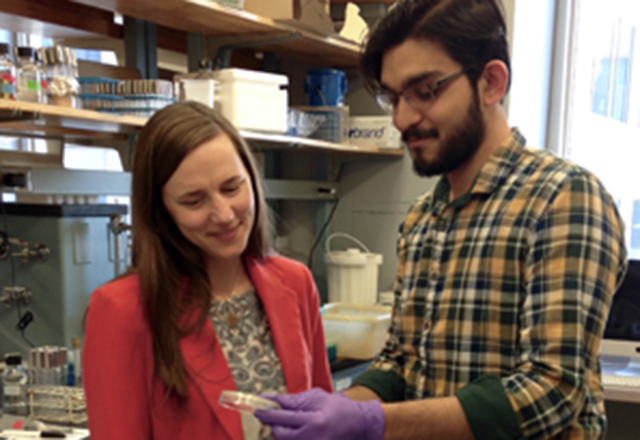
(14, 386)
(622, 331)
(353, 273)
(325, 87)
(66, 210)
(57, 404)
(245, 402)
(7, 74)
(359, 330)
(29, 85)
(242, 91)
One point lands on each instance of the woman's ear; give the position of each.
(492, 85)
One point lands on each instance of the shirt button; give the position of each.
(427, 324)
(433, 276)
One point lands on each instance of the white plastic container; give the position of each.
(377, 131)
(359, 330)
(199, 90)
(352, 274)
(253, 100)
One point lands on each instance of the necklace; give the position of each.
(231, 318)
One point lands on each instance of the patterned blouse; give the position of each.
(245, 336)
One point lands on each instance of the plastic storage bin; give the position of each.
(358, 329)
(253, 100)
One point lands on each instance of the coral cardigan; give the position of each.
(124, 401)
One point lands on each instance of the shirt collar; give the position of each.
(500, 164)
(491, 176)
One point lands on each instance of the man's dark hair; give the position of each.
(473, 32)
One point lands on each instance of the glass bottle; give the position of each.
(63, 85)
(14, 386)
(42, 63)
(7, 74)
(29, 87)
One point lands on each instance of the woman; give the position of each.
(206, 306)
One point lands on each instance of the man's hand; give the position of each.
(318, 415)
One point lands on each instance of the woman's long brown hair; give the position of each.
(176, 291)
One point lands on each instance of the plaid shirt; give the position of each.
(509, 284)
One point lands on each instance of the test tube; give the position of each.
(42, 373)
(75, 342)
(33, 365)
(55, 366)
(48, 365)
(63, 366)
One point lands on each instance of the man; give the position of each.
(506, 269)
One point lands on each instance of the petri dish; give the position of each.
(245, 402)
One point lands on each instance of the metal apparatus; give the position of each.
(57, 245)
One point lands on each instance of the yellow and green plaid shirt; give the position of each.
(502, 295)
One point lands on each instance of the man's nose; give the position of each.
(405, 116)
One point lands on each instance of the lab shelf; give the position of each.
(17, 116)
(359, 2)
(210, 19)
(26, 117)
(294, 142)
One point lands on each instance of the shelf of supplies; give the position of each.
(26, 117)
(208, 18)
(17, 116)
(362, 2)
(278, 141)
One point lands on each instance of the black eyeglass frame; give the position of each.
(388, 99)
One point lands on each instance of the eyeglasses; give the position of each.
(418, 95)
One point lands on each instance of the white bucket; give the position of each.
(352, 274)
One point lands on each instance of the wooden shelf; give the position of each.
(362, 2)
(293, 142)
(16, 116)
(211, 19)
(26, 117)
(57, 19)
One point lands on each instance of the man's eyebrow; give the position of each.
(414, 79)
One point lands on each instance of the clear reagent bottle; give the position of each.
(29, 83)
(14, 386)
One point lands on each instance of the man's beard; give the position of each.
(464, 141)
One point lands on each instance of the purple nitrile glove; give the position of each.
(318, 415)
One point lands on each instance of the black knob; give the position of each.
(14, 179)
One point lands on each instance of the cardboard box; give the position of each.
(270, 8)
(308, 14)
(377, 131)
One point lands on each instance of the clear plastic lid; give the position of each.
(245, 402)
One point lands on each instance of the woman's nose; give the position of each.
(222, 212)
